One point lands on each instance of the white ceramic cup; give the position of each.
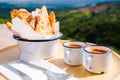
(97, 58)
(73, 52)
(41, 48)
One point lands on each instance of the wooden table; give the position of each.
(9, 51)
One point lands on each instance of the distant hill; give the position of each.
(96, 8)
(57, 6)
(99, 8)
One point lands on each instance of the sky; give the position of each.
(17, 1)
(56, 2)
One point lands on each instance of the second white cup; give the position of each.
(97, 58)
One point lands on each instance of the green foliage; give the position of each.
(2, 21)
(4, 17)
(100, 28)
(116, 50)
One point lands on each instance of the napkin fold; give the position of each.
(35, 74)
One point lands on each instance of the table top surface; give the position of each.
(8, 46)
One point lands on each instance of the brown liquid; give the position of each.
(74, 45)
(98, 51)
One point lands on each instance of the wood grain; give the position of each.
(3, 77)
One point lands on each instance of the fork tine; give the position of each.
(67, 76)
(61, 78)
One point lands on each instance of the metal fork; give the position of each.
(22, 75)
(50, 74)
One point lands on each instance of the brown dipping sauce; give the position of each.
(98, 51)
(74, 45)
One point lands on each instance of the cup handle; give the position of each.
(68, 55)
(89, 61)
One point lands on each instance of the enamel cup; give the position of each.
(97, 58)
(73, 52)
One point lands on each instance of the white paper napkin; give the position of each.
(22, 30)
(33, 73)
